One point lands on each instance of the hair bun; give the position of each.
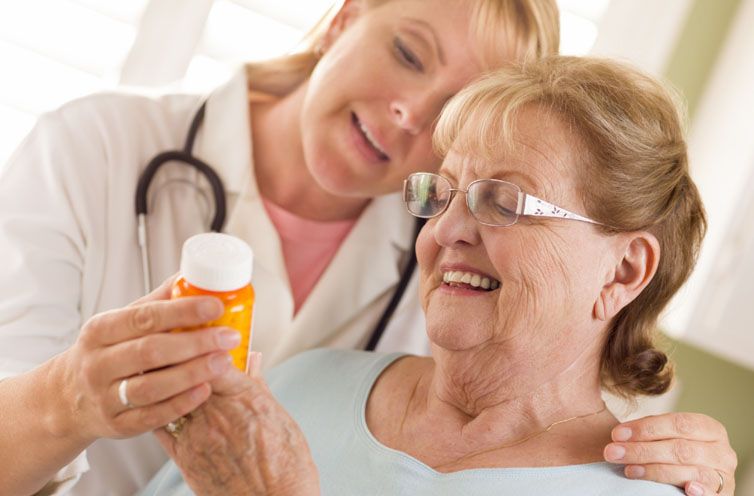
(647, 372)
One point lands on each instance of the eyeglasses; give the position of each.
(492, 202)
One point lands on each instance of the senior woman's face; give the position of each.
(549, 272)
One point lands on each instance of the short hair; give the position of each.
(508, 29)
(635, 176)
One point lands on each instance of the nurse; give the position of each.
(312, 150)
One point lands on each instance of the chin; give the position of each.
(452, 337)
(340, 181)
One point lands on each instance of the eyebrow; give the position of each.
(524, 180)
(520, 179)
(428, 27)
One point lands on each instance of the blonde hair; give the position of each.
(508, 29)
(633, 176)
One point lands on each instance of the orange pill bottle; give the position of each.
(220, 265)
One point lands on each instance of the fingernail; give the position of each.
(635, 471)
(695, 489)
(219, 363)
(228, 339)
(622, 434)
(615, 452)
(255, 368)
(209, 309)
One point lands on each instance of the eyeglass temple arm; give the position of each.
(536, 207)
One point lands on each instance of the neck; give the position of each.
(494, 400)
(280, 165)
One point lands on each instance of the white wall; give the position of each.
(715, 309)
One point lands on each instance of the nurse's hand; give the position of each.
(168, 374)
(688, 450)
(241, 441)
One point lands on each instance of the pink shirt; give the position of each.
(308, 247)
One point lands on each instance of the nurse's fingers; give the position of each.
(155, 387)
(163, 349)
(139, 420)
(133, 322)
(673, 451)
(695, 488)
(161, 292)
(697, 481)
(694, 426)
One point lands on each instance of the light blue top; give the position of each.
(326, 392)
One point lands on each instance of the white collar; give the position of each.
(224, 140)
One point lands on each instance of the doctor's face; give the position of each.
(372, 100)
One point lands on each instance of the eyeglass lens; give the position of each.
(490, 201)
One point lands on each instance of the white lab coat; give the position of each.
(68, 247)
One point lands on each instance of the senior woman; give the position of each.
(561, 222)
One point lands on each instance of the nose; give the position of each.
(415, 111)
(456, 226)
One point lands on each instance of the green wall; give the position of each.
(698, 46)
(709, 384)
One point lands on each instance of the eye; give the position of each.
(406, 56)
(504, 210)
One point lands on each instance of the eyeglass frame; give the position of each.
(527, 205)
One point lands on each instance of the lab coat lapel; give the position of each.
(365, 268)
(225, 142)
(225, 136)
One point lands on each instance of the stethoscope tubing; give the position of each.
(147, 176)
(186, 157)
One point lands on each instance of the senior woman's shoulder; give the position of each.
(330, 371)
(606, 479)
(591, 479)
(328, 363)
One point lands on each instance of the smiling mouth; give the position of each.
(469, 280)
(369, 139)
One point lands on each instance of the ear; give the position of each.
(636, 265)
(348, 12)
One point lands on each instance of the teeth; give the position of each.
(474, 280)
(370, 138)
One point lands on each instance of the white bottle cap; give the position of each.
(216, 262)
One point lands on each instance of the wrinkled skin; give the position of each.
(684, 449)
(241, 441)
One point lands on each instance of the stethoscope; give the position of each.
(218, 191)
